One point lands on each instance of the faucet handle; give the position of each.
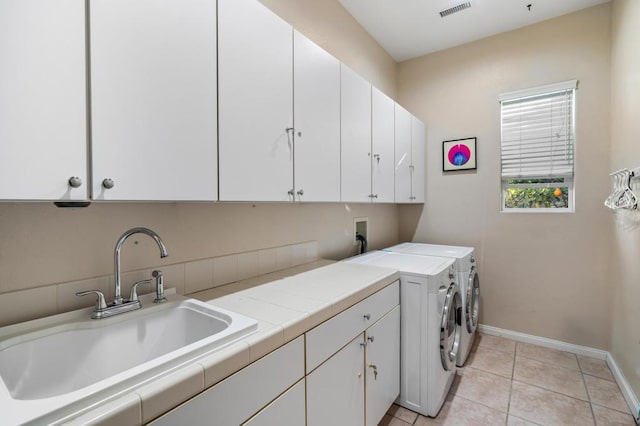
(101, 303)
(133, 296)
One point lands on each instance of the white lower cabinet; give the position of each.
(357, 384)
(382, 366)
(240, 396)
(335, 390)
(286, 410)
(352, 375)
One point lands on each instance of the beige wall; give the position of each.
(40, 244)
(541, 274)
(328, 24)
(625, 152)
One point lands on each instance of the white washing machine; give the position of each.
(429, 332)
(468, 280)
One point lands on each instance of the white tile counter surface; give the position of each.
(285, 308)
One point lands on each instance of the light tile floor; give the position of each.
(510, 383)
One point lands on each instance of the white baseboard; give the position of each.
(543, 341)
(627, 392)
(625, 387)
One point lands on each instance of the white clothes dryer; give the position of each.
(468, 280)
(429, 332)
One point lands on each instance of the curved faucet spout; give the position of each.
(116, 256)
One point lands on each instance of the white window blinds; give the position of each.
(538, 132)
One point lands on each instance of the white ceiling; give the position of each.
(410, 28)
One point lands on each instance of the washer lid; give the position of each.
(456, 252)
(405, 263)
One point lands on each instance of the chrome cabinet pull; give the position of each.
(108, 183)
(75, 182)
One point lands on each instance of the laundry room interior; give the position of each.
(564, 279)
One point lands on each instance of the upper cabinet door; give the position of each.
(403, 155)
(153, 99)
(417, 160)
(42, 100)
(355, 137)
(256, 103)
(316, 79)
(382, 148)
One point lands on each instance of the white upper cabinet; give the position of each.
(382, 147)
(256, 103)
(403, 155)
(153, 99)
(355, 137)
(409, 161)
(316, 91)
(43, 139)
(417, 160)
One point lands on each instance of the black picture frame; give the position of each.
(459, 155)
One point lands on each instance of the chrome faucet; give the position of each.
(119, 305)
(116, 256)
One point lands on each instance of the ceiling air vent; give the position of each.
(455, 9)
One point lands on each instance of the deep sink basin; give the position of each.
(70, 357)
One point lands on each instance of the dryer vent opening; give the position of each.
(455, 9)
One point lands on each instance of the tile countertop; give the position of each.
(285, 309)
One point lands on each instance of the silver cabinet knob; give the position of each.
(367, 316)
(108, 183)
(373, 195)
(300, 193)
(75, 182)
(377, 157)
(290, 192)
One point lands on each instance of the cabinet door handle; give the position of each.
(370, 338)
(375, 371)
(75, 182)
(108, 183)
(301, 193)
(367, 316)
(377, 157)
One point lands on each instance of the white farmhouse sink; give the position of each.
(93, 355)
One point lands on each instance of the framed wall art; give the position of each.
(459, 154)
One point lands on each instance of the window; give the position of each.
(538, 131)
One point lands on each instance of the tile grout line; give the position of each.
(513, 372)
(584, 382)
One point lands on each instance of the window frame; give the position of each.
(569, 180)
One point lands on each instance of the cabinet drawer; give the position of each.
(327, 338)
(238, 397)
(287, 410)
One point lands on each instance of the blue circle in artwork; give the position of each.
(459, 159)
